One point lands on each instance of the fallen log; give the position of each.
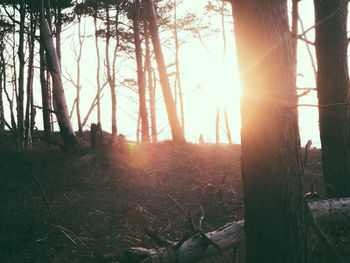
(228, 236)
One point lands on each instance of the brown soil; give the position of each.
(92, 205)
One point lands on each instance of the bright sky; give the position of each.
(209, 80)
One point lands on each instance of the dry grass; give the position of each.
(105, 201)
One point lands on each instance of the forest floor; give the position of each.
(92, 205)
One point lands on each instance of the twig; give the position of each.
(325, 105)
(323, 20)
(308, 50)
(315, 89)
(42, 108)
(187, 215)
(65, 232)
(304, 93)
(306, 40)
(41, 190)
(178, 205)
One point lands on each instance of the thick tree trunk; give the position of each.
(230, 236)
(332, 88)
(60, 105)
(140, 74)
(295, 19)
(271, 163)
(44, 93)
(176, 130)
(151, 87)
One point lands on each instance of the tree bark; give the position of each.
(44, 93)
(97, 70)
(60, 105)
(77, 102)
(140, 74)
(231, 235)
(271, 163)
(217, 127)
(151, 87)
(177, 64)
(176, 130)
(333, 87)
(111, 74)
(30, 76)
(227, 128)
(2, 82)
(58, 34)
(20, 106)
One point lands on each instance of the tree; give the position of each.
(98, 66)
(271, 164)
(151, 84)
(217, 126)
(333, 94)
(29, 115)
(5, 28)
(78, 58)
(60, 105)
(177, 64)
(140, 73)
(111, 68)
(45, 92)
(20, 107)
(176, 130)
(228, 132)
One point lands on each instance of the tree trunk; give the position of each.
(2, 117)
(77, 103)
(30, 76)
(333, 87)
(230, 236)
(177, 64)
(60, 104)
(92, 106)
(176, 130)
(97, 70)
(295, 19)
(151, 87)
(58, 34)
(20, 106)
(140, 74)
(2, 82)
(271, 163)
(227, 128)
(13, 126)
(217, 126)
(111, 75)
(44, 93)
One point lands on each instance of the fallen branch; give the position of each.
(228, 236)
